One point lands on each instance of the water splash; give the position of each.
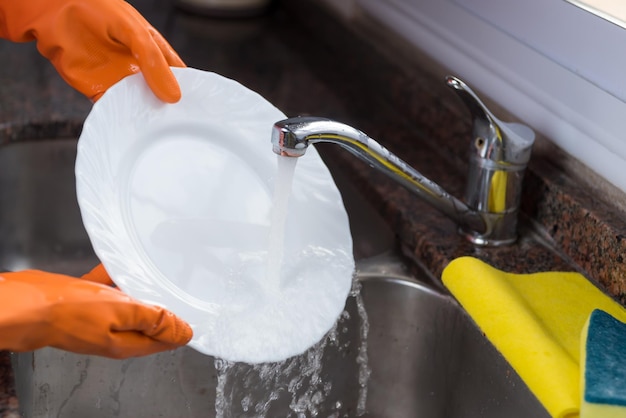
(307, 385)
(294, 385)
(362, 358)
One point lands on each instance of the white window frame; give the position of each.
(558, 68)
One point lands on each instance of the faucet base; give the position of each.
(485, 240)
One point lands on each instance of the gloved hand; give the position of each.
(39, 309)
(94, 43)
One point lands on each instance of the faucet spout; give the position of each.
(488, 216)
(291, 137)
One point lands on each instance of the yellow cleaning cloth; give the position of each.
(535, 321)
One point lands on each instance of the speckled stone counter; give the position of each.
(307, 62)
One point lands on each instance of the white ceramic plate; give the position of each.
(177, 202)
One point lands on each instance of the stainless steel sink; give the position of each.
(401, 348)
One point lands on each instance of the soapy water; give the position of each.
(329, 380)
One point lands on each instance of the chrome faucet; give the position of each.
(499, 154)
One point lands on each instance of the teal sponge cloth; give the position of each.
(603, 367)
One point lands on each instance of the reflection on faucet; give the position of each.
(499, 154)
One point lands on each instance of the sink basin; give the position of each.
(401, 348)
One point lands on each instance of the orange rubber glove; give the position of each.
(39, 309)
(94, 43)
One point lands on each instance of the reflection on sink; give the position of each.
(420, 356)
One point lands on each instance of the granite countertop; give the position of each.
(346, 73)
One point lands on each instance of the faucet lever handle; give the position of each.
(499, 155)
(500, 142)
